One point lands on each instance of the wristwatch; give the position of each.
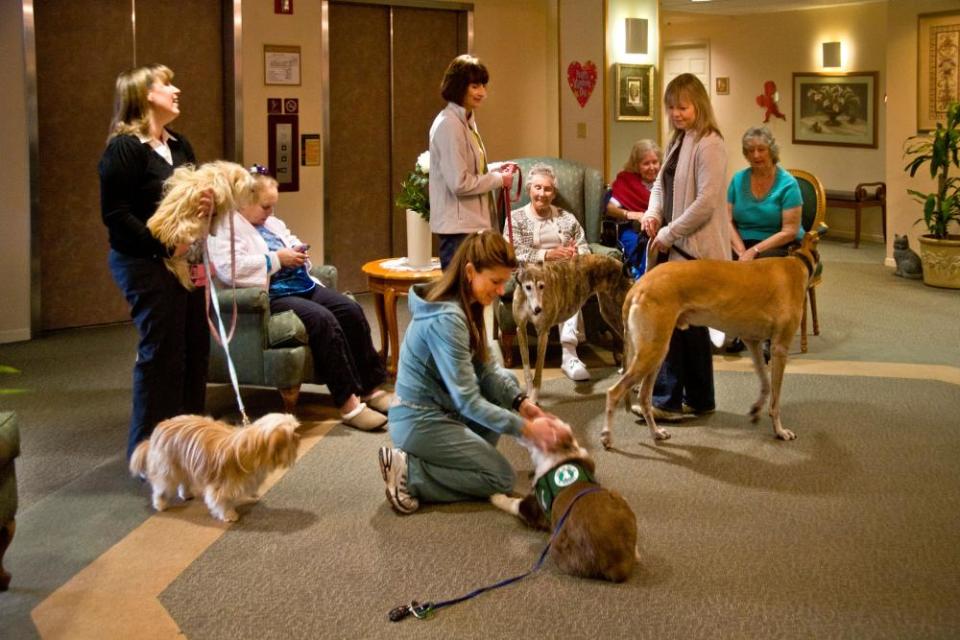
(518, 400)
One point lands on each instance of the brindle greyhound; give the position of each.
(756, 300)
(549, 293)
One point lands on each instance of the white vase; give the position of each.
(419, 241)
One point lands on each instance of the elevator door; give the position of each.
(81, 46)
(386, 64)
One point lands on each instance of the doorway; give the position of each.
(81, 47)
(385, 67)
(685, 58)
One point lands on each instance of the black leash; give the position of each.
(425, 610)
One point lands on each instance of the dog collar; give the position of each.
(550, 485)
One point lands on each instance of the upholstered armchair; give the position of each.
(268, 350)
(813, 212)
(581, 191)
(9, 449)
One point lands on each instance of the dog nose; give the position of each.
(537, 310)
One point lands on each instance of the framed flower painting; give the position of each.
(837, 109)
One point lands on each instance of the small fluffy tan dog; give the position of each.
(599, 537)
(192, 455)
(176, 221)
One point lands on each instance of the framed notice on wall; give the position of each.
(281, 64)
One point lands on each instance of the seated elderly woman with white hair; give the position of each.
(543, 232)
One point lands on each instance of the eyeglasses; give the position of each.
(259, 170)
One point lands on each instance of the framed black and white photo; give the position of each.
(635, 91)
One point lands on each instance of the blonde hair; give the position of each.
(131, 109)
(687, 85)
(484, 250)
(640, 149)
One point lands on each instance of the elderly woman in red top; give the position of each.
(630, 197)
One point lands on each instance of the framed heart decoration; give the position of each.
(582, 78)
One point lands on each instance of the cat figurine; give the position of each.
(908, 262)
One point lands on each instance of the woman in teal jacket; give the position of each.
(453, 400)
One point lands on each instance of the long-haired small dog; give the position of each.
(599, 537)
(193, 455)
(176, 221)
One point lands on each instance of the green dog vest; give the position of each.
(550, 485)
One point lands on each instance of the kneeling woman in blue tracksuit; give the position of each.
(453, 399)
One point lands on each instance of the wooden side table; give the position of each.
(866, 194)
(386, 284)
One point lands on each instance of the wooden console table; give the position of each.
(867, 194)
(386, 285)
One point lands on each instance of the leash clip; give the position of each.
(399, 613)
(421, 611)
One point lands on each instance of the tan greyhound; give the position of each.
(756, 300)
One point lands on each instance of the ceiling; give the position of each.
(736, 7)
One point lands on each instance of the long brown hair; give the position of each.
(131, 110)
(687, 85)
(484, 250)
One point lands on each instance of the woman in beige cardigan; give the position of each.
(686, 220)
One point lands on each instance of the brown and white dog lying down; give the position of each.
(756, 300)
(176, 221)
(197, 455)
(599, 537)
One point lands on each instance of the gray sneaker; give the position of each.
(393, 468)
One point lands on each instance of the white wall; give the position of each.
(772, 46)
(901, 52)
(14, 180)
(622, 134)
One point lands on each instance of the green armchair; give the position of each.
(9, 449)
(268, 350)
(581, 190)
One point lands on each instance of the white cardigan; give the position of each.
(251, 251)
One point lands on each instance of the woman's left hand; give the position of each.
(205, 207)
(531, 411)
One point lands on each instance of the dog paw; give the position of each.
(185, 493)
(786, 434)
(661, 434)
(160, 504)
(230, 516)
(606, 440)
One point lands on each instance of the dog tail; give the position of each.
(138, 461)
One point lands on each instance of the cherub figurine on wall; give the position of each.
(769, 101)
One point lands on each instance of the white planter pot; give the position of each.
(419, 241)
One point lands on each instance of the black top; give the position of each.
(131, 187)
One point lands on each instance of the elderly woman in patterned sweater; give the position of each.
(543, 232)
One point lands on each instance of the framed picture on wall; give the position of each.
(938, 66)
(836, 109)
(634, 91)
(723, 86)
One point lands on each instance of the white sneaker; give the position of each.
(575, 370)
(393, 468)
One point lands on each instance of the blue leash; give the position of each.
(425, 610)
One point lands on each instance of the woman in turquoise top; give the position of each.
(763, 201)
(453, 399)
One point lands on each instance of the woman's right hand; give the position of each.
(650, 226)
(506, 177)
(291, 257)
(546, 433)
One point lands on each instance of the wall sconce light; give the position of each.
(831, 54)
(636, 35)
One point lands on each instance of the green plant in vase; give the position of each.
(940, 250)
(415, 190)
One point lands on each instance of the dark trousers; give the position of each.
(449, 243)
(343, 355)
(686, 375)
(170, 375)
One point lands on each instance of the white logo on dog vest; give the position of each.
(565, 475)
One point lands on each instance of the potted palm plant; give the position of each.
(414, 197)
(939, 249)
